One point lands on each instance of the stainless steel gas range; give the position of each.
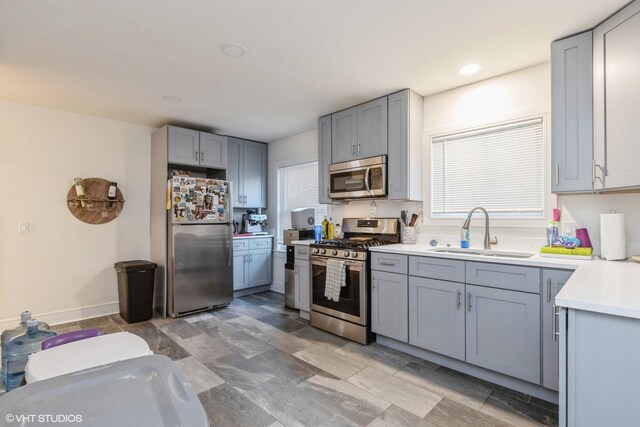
(350, 316)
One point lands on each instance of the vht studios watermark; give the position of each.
(23, 419)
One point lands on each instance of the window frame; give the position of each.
(284, 165)
(549, 199)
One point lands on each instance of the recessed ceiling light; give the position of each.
(469, 69)
(233, 49)
(172, 98)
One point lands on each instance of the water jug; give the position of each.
(17, 350)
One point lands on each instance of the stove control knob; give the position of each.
(354, 254)
(323, 251)
(334, 252)
(346, 254)
(316, 250)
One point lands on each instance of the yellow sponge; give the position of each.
(564, 251)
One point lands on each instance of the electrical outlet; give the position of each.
(569, 228)
(23, 227)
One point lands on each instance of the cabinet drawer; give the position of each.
(524, 279)
(389, 262)
(437, 268)
(260, 243)
(240, 245)
(302, 252)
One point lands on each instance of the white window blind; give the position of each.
(499, 168)
(298, 188)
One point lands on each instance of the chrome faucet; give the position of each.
(487, 240)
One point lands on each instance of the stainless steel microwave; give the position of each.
(358, 179)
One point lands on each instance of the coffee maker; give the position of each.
(253, 223)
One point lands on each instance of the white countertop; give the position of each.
(609, 287)
(253, 237)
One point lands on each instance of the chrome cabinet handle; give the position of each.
(549, 289)
(554, 323)
(358, 147)
(245, 200)
(458, 298)
(390, 264)
(469, 302)
(328, 192)
(353, 149)
(557, 174)
(373, 283)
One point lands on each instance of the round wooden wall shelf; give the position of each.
(95, 208)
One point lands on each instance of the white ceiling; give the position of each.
(305, 58)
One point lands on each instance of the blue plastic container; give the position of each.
(9, 334)
(16, 353)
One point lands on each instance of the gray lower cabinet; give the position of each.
(240, 273)
(600, 370)
(389, 305)
(247, 169)
(302, 283)
(190, 147)
(260, 267)
(252, 263)
(503, 331)
(552, 283)
(437, 316)
(572, 114)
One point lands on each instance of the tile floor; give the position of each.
(256, 363)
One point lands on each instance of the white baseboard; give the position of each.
(64, 316)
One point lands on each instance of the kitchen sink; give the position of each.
(506, 254)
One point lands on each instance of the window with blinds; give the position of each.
(500, 168)
(297, 188)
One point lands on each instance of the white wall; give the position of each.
(62, 269)
(296, 149)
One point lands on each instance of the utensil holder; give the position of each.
(408, 234)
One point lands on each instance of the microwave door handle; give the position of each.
(366, 180)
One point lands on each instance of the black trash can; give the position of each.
(135, 289)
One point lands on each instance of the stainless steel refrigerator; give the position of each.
(200, 247)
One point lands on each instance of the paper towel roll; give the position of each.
(613, 238)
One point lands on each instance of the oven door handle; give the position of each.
(322, 261)
(366, 180)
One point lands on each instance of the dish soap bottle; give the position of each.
(330, 230)
(464, 238)
(325, 228)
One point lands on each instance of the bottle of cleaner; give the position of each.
(331, 230)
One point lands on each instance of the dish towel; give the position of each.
(336, 279)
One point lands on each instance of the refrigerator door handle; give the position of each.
(230, 252)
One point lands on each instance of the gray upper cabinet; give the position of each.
(404, 164)
(184, 146)
(437, 316)
(359, 132)
(389, 305)
(552, 282)
(572, 114)
(616, 43)
(247, 169)
(213, 150)
(503, 331)
(372, 128)
(190, 147)
(324, 158)
(344, 135)
(255, 174)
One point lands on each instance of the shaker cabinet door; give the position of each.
(437, 316)
(254, 177)
(552, 282)
(240, 271)
(324, 158)
(344, 135)
(389, 305)
(213, 150)
(234, 169)
(184, 146)
(572, 114)
(503, 331)
(372, 128)
(259, 268)
(303, 281)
